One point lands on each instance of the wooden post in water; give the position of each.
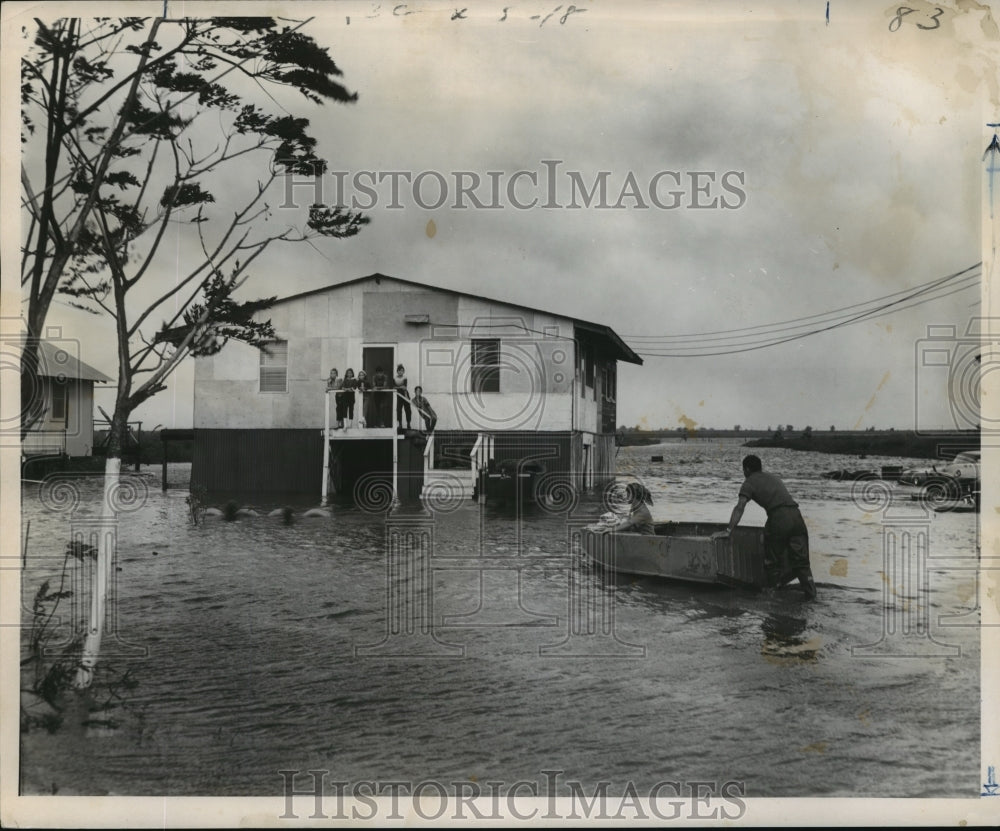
(395, 445)
(326, 447)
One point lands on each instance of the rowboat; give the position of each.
(681, 551)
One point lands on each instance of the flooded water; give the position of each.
(259, 646)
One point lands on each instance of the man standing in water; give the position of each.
(786, 539)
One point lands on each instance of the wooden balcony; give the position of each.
(357, 433)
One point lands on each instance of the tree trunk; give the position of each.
(105, 552)
(32, 400)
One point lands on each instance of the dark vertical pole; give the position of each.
(164, 446)
(138, 447)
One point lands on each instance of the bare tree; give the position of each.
(134, 128)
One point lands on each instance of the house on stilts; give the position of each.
(509, 384)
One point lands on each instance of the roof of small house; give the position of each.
(614, 346)
(55, 360)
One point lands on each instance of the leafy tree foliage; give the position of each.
(130, 127)
(136, 132)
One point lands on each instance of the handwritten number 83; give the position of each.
(902, 11)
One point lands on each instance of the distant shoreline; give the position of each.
(904, 443)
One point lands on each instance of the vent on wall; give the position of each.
(418, 320)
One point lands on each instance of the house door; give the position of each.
(373, 357)
(378, 406)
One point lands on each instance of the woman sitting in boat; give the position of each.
(639, 519)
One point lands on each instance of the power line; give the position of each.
(921, 286)
(680, 351)
(800, 322)
(775, 342)
(774, 336)
(764, 337)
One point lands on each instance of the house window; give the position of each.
(274, 367)
(610, 383)
(485, 366)
(58, 400)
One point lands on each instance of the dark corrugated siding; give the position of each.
(411, 471)
(603, 457)
(576, 454)
(551, 449)
(291, 461)
(257, 461)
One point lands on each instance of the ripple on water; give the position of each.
(252, 628)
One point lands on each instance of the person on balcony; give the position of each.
(423, 406)
(402, 397)
(336, 384)
(347, 396)
(363, 386)
(381, 406)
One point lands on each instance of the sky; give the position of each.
(852, 148)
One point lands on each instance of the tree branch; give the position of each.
(41, 296)
(210, 258)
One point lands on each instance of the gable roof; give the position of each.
(612, 344)
(54, 361)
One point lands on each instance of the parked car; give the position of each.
(919, 475)
(965, 466)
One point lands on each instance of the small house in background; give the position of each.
(509, 385)
(66, 388)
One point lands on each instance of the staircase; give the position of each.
(450, 486)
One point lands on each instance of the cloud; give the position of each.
(860, 154)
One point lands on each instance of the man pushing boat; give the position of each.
(786, 538)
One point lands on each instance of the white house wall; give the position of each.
(321, 330)
(72, 434)
(587, 409)
(48, 424)
(329, 329)
(80, 426)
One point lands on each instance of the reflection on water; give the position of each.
(785, 639)
(309, 645)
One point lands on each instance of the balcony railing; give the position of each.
(429, 453)
(482, 451)
(374, 410)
